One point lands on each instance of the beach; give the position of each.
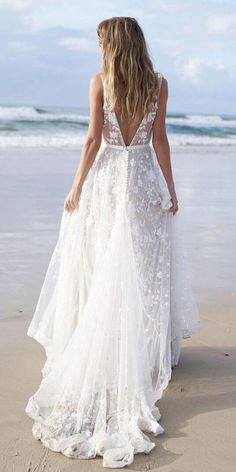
(199, 405)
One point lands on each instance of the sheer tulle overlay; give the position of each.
(114, 307)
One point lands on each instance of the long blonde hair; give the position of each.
(127, 69)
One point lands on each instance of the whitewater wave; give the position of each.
(28, 126)
(199, 140)
(42, 141)
(203, 121)
(42, 114)
(75, 141)
(38, 114)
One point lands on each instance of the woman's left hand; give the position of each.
(174, 208)
(72, 199)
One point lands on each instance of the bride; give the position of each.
(116, 301)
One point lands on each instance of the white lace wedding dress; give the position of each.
(114, 306)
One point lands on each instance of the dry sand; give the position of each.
(199, 406)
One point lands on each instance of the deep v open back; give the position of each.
(112, 133)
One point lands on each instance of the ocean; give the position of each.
(39, 127)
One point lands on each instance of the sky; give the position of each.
(49, 50)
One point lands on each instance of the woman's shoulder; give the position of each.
(160, 76)
(162, 85)
(162, 80)
(96, 83)
(96, 78)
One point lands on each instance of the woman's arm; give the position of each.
(92, 141)
(161, 144)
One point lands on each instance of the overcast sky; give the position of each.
(49, 50)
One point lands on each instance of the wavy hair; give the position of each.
(127, 69)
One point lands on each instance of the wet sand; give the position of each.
(199, 406)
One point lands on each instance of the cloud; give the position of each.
(75, 43)
(222, 24)
(18, 5)
(193, 69)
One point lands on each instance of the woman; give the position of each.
(115, 303)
